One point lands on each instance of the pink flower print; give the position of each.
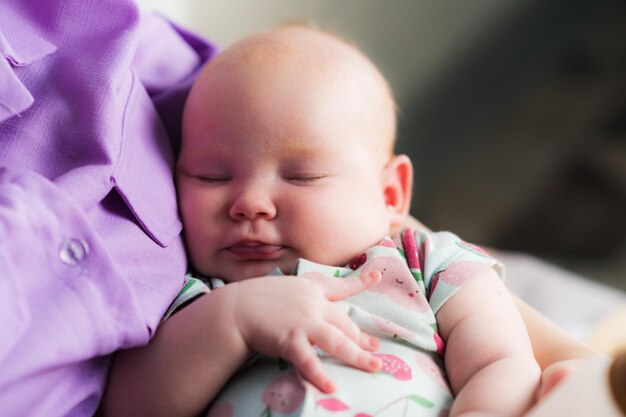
(392, 328)
(332, 404)
(410, 249)
(433, 285)
(387, 243)
(415, 253)
(395, 366)
(462, 272)
(363, 415)
(357, 262)
(473, 248)
(441, 347)
(221, 410)
(398, 283)
(429, 366)
(284, 394)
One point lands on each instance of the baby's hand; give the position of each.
(285, 316)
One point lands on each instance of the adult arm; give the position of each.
(557, 353)
(551, 344)
(90, 252)
(58, 287)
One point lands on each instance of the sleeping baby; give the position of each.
(288, 188)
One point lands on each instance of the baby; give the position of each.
(287, 163)
(287, 167)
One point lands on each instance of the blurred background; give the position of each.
(514, 112)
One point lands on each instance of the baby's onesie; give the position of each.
(421, 271)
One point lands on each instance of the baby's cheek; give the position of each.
(332, 229)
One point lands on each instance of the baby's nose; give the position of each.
(252, 204)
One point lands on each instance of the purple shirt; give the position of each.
(90, 247)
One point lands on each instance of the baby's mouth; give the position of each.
(251, 251)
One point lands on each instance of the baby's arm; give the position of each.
(551, 345)
(196, 351)
(489, 358)
(191, 356)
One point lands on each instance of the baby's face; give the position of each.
(278, 164)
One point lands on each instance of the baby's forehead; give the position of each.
(308, 61)
(308, 48)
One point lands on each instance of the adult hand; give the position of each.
(557, 372)
(285, 316)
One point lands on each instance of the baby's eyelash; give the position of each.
(305, 179)
(212, 180)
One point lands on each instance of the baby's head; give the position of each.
(287, 153)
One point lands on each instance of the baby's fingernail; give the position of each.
(329, 387)
(373, 342)
(375, 363)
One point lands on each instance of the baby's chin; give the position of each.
(251, 270)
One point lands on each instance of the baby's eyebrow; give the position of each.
(302, 148)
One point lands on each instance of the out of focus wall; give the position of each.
(514, 112)
(411, 41)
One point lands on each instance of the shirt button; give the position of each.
(73, 251)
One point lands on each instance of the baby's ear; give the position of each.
(397, 187)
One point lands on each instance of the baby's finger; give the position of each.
(337, 317)
(338, 289)
(368, 342)
(337, 344)
(300, 354)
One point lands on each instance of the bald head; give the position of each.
(302, 66)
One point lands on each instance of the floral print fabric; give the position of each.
(421, 271)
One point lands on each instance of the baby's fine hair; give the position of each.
(244, 53)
